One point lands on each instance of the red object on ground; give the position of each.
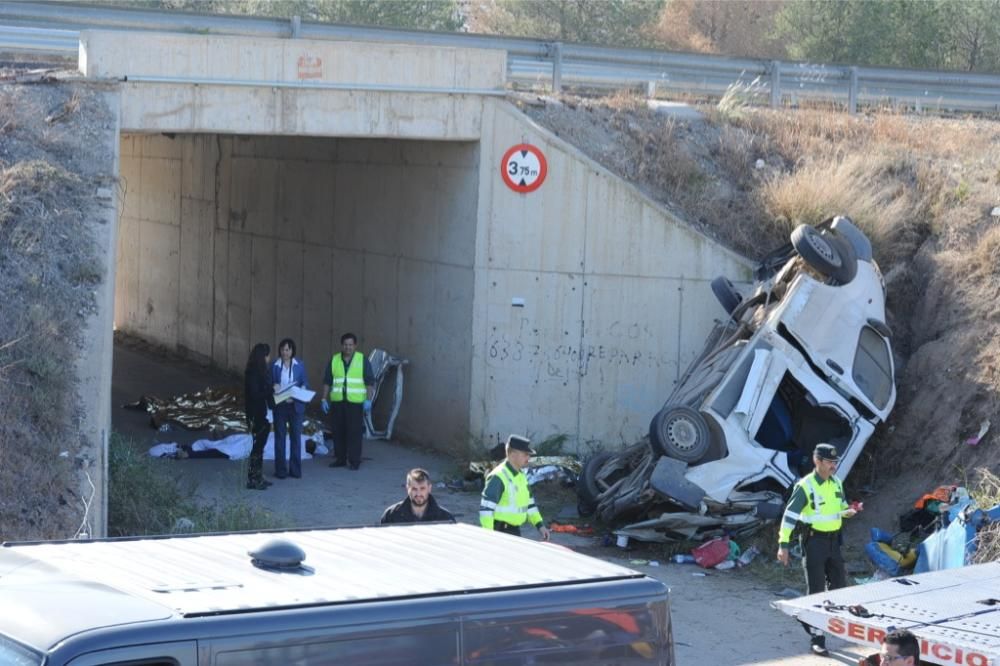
(571, 529)
(711, 552)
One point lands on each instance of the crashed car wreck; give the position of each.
(805, 358)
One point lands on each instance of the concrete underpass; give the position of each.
(274, 188)
(230, 240)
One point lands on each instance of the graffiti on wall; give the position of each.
(562, 355)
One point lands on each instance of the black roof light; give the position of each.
(278, 555)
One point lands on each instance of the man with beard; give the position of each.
(419, 505)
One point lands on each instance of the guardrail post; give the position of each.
(650, 89)
(557, 67)
(296, 27)
(775, 84)
(852, 92)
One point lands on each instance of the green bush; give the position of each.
(143, 500)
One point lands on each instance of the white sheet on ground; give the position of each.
(237, 447)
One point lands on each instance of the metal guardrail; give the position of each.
(52, 27)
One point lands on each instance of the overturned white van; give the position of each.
(804, 358)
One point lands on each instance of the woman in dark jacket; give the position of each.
(259, 397)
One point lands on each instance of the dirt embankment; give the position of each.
(926, 190)
(56, 182)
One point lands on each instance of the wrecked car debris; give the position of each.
(804, 358)
(384, 365)
(540, 468)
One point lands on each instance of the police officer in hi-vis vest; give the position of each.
(507, 503)
(348, 386)
(819, 505)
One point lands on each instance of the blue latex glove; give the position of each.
(326, 406)
(368, 406)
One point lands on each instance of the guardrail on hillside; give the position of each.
(51, 26)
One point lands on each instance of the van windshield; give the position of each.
(16, 654)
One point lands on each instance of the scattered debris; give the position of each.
(540, 468)
(984, 428)
(384, 365)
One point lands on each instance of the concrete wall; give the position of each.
(226, 241)
(93, 366)
(294, 86)
(616, 296)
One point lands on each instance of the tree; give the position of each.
(607, 22)
(927, 34)
(414, 14)
(973, 35)
(732, 27)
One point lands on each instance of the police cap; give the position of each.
(827, 452)
(520, 443)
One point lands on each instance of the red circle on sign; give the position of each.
(524, 168)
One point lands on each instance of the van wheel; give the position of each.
(726, 293)
(588, 490)
(825, 254)
(679, 432)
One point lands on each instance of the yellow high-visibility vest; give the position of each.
(353, 377)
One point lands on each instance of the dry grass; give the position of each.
(873, 189)
(739, 98)
(50, 266)
(985, 259)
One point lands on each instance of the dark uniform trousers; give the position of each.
(823, 562)
(347, 426)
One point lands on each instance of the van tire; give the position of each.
(588, 489)
(681, 433)
(726, 294)
(822, 253)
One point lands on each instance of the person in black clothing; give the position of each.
(259, 397)
(419, 505)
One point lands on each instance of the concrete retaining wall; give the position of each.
(226, 241)
(616, 296)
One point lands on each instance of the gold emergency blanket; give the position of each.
(214, 409)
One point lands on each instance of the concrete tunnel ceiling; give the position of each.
(228, 240)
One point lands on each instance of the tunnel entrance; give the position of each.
(229, 240)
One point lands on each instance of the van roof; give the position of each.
(188, 576)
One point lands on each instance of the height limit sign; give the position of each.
(523, 168)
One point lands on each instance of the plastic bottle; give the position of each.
(747, 556)
(725, 564)
(682, 558)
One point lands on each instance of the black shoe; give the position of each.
(295, 476)
(256, 485)
(338, 463)
(281, 476)
(818, 646)
(355, 468)
(266, 482)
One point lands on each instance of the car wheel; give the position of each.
(679, 432)
(588, 489)
(823, 253)
(726, 293)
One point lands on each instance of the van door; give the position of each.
(158, 654)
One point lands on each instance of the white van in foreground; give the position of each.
(409, 595)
